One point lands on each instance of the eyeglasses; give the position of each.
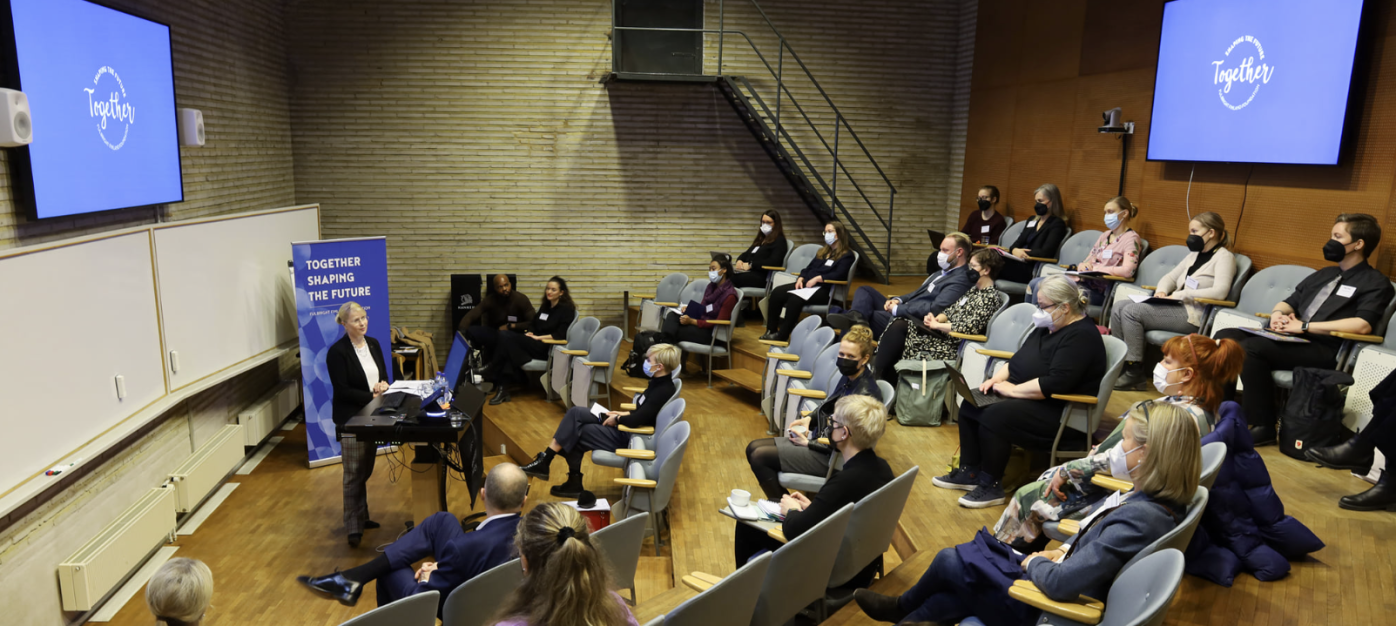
(836, 424)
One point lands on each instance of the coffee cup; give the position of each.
(741, 497)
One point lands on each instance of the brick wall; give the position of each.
(478, 138)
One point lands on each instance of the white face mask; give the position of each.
(1119, 464)
(766, 229)
(1041, 319)
(830, 238)
(1112, 220)
(1161, 377)
(943, 259)
(713, 275)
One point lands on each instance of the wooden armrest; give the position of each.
(1355, 337)
(643, 296)
(800, 374)
(1111, 483)
(668, 304)
(700, 581)
(643, 455)
(1069, 527)
(998, 354)
(775, 269)
(979, 338)
(808, 393)
(1086, 610)
(1074, 397)
(1226, 303)
(835, 282)
(722, 322)
(634, 389)
(778, 344)
(596, 363)
(555, 342)
(1264, 315)
(1041, 260)
(628, 406)
(782, 356)
(1064, 266)
(823, 440)
(981, 245)
(1149, 287)
(638, 430)
(805, 413)
(636, 482)
(776, 533)
(575, 352)
(1118, 279)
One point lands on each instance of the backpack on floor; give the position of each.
(1314, 414)
(634, 365)
(922, 389)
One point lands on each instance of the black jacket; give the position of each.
(860, 476)
(935, 296)
(495, 312)
(352, 391)
(1043, 242)
(559, 319)
(649, 401)
(766, 254)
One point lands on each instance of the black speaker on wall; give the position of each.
(659, 52)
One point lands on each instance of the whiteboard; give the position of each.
(73, 318)
(225, 291)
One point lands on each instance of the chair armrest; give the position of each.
(1041, 260)
(778, 344)
(628, 406)
(636, 482)
(639, 430)
(701, 581)
(808, 393)
(575, 352)
(1075, 397)
(668, 304)
(1069, 527)
(800, 374)
(1064, 266)
(835, 282)
(634, 389)
(643, 296)
(777, 533)
(1085, 610)
(722, 322)
(1111, 483)
(823, 440)
(782, 356)
(1264, 315)
(805, 413)
(643, 455)
(979, 338)
(1355, 337)
(1226, 303)
(1149, 287)
(1118, 279)
(998, 354)
(555, 342)
(775, 269)
(596, 363)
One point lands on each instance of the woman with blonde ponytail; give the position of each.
(566, 582)
(1116, 252)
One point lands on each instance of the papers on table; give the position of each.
(771, 509)
(805, 293)
(417, 388)
(1274, 336)
(1153, 299)
(747, 513)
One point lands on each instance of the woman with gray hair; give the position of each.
(179, 592)
(1041, 237)
(358, 374)
(1063, 355)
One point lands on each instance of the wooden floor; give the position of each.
(283, 521)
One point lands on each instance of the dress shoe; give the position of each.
(846, 320)
(538, 467)
(879, 607)
(1263, 435)
(354, 539)
(570, 489)
(1381, 496)
(370, 525)
(1343, 456)
(501, 396)
(1132, 379)
(334, 586)
(769, 336)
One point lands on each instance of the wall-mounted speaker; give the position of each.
(191, 127)
(16, 127)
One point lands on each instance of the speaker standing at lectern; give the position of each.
(352, 362)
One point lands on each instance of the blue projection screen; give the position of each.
(101, 93)
(1253, 81)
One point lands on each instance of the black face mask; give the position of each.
(1334, 251)
(1195, 243)
(848, 367)
(1039, 208)
(983, 204)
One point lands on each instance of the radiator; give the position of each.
(267, 413)
(203, 471)
(102, 563)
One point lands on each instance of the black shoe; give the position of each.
(334, 586)
(985, 496)
(354, 539)
(538, 468)
(958, 478)
(769, 336)
(1343, 456)
(370, 525)
(1264, 436)
(1132, 379)
(846, 320)
(501, 396)
(1381, 496)
(879, 607)
(570, 489)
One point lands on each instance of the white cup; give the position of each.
(741, 497)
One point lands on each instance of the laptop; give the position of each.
(936, 237)
(975, 397)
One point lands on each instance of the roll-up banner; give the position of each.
(327, 275)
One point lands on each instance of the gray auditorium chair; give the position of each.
(1019, 289)
(649, 485)
(641, 439)
(777, 352)
(476, 600)
(1140, 596)
(838, 291)
(718, 346)
(1146, 278)
(620, 543)
(799, 573)
(1258, 296)
(544, 366)
(1238, 284)
(666, 293)
(1074, 250)
(559, 357)
(1005, 333)
(1181, 535)
(760, 292)
(815, 344)
(1212, 456)
(1083, 413)
(1011, 232)
(868, 536)
(414, 610)
(804, 394)
(591, 373)
(730, 600)
(889, 394)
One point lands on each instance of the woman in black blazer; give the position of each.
(352, 362)
(513, 350)
(766, 250)
(833, 262)
(1041, 237)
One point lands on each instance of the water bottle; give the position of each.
(441, 385)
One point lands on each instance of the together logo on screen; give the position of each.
(107, 102)
(1243, 70)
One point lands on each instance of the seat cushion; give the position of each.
(1283, 379)
(607, 459)
(716, 349)
(1158, 337)
(536, 365)
(800, 482)
(1011, 288)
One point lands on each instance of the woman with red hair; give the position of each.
(1192, 375)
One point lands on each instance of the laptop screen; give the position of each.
(455, 360)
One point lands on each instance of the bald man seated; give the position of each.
(459, 555)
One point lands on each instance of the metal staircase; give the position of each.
(838, 192)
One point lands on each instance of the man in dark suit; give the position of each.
(940, 290)
(460, 556)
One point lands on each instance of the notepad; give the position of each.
(804, 294)
(1274, 336)
(1153, 299)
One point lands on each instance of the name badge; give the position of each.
(513, 318)
(829, 263)
(543, 316)
(1031, 224)
(640, 399)
(1346, 291)
(753, 250)
(1107, 254)
(1190, 282)
(710, 308)
(984, 229)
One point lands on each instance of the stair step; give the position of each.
(744, 378)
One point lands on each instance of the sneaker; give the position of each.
(984, 496)
(1132, 378)
(958, 478)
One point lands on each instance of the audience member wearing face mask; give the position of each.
(970, 314)
(985, 224)
(833, 262)
(1116, 252)
(768, 249)
(1193, 375)
(1042, 236)
(1063, 355)
(719, 300)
